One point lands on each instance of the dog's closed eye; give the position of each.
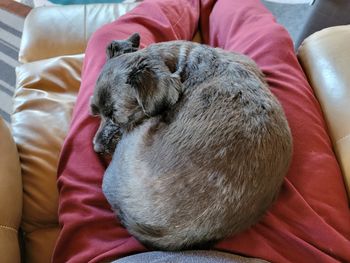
(94, 110)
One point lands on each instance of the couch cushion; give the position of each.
(69, 30)
(43, 103)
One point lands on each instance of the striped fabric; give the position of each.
(10, 37)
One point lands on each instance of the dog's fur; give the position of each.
(204, 145)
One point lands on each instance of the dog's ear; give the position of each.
(135, 40)
(156, 90)
(118, 47)
(113, 49)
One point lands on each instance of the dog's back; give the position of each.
(208, 168)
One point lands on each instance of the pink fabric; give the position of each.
(310, 220)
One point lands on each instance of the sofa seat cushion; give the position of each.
(43, 103)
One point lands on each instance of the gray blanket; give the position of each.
(191, 256)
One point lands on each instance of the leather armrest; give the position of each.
(10, 197)
(64, 30)
(325, 57)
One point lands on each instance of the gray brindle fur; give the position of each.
(203, 145)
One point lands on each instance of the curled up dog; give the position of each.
(201, 144)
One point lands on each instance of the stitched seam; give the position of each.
(8, 228)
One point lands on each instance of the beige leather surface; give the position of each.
(43, 103)
(325, 58)
(10, 197)
(64, 30)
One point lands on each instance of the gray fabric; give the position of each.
(325, 13)
(194, 256)
(10, 37)
(291, 16)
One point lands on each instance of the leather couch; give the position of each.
(51, 53)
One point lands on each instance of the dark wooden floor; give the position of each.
(15, 7)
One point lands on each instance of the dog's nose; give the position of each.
(98, 148)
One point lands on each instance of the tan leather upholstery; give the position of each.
(325, 58)
(64, 30)
(43, 104)
(47, 84)
(10, 197)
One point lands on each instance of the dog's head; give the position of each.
(108, 133)
(132, 86)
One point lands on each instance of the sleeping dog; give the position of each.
(201, 144)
